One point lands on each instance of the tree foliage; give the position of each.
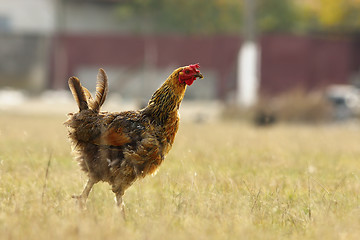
(183, 16)
(332, 15)
(226, 16)
(277, 15)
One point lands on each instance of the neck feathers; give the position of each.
(166, 100)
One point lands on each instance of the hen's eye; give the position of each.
(187, 71)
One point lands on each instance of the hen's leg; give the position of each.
(84, 195)
(120, 203)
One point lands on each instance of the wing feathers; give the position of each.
(78, 93)
(113, 137)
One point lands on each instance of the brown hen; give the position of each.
(119, 148)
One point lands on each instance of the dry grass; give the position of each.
(221, 181)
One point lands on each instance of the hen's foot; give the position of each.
(80, 201)
(120, 205)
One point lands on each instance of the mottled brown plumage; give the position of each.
(119, 148)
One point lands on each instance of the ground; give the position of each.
(222, 180)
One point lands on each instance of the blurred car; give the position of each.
(345, 100)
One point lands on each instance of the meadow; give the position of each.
(222, 180)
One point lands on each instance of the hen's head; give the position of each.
(189, 74)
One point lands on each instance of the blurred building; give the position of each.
(44, 42)
(26, 28)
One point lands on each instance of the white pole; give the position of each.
(247, 76)
(248, 60)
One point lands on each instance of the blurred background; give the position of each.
(263, 60)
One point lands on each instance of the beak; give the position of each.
(199, 75)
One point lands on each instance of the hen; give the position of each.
(119, 148)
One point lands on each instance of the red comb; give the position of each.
(194, 65)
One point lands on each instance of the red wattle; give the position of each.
(189, 81)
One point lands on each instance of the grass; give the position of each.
(224, 180)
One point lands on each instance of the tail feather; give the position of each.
(78, 93)
(101, 91)
(88, 96)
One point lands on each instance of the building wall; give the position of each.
(154, 54)
(91, 17)
(27, 16)
(26, 27)
(308, 62)
(24, 61)
(287, 61)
